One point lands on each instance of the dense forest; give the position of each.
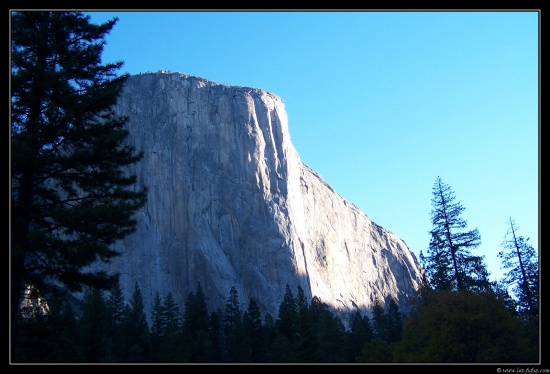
(72, 198)
(445, 327)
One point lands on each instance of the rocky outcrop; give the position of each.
(231, 204)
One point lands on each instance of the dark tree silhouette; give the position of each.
(395, 322)
(449, 264)
(521, 260)
(463, 327)
(361, 332)
(306, 328)
(253, 333)
(198, 345)
(169, 347)
(117, 309)
(215, 333)
(330, 332)
(287, 315)
(379, 321)
(72, 196)
(136, 329)
(234, 339)
(94, 326)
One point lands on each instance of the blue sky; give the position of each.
(379, 103)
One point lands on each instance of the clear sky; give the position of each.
(379, 103)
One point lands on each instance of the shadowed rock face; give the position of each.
(231, 204)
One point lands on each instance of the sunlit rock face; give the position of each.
(231, 204)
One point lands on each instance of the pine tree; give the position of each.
(449, 264)
(306, 327)
(235, 343)
(379, 320)
(171, 315)
(232, 315)
(116, 308)
(94, 326)
(72, 196)
(523, 275)
(157, 326)
(395, 322)
(196, 315)
(330, 333)
(136, 329)
(269, 334)
(360, 333)
(286, 317)
(253, 332)
(196, 328)
(215, 333)
(282, 338)
(157, 318)
(170, 328)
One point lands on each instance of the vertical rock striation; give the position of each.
(231, 204)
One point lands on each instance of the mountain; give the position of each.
(231, 204)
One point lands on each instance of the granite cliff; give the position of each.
(230, 203)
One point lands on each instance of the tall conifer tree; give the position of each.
(170, 346)
(196, 326)
(136, 329)
(449, 264)
(395, 322)
(116, 308)
(94, 326)
(379, 320)
(288, 310)
(361, 332)
(72, 196)
(521, 260)
(252, 325)
(233, 328)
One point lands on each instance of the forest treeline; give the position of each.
(444, 327)
(73, 196)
